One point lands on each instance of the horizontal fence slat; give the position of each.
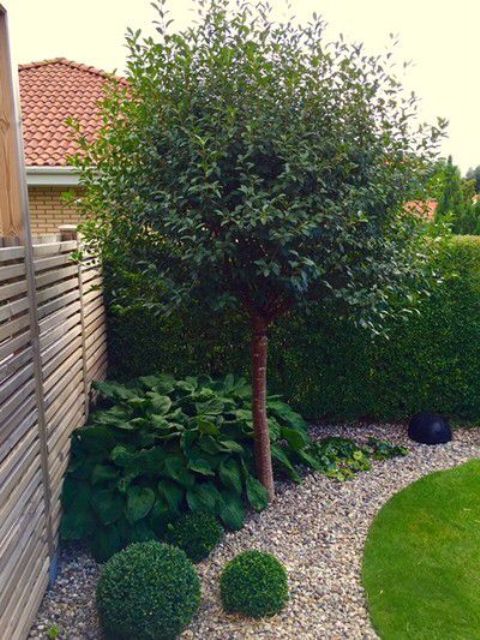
(11, 253)
(42, 400)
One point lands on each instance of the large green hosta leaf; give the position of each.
(230, 474)
(256, 493)
(139, 502)
(204, 497)
(159, 447)
(232, 511)
(108, 504)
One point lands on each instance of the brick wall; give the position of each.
(48, 210)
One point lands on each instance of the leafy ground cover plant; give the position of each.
(159, 447)
(195, 533)
(341, 458)
(254, 583)
(149, 591)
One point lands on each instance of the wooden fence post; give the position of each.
(15, 221)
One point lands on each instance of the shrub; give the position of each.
(159, 447)
(255, 584)
(325, 366)
(196, 533)
(149, 591)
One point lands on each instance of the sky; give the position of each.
(441, 40)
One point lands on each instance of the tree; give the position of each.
(451, 192)
(455, 197)
(474, 174)
(254, 165)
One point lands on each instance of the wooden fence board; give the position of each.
(69, 322)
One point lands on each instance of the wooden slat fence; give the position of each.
(52, 345)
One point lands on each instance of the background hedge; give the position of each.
(327, 367)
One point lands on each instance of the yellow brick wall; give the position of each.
(48, 210)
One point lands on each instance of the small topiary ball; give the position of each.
(196, 533)
(148, 591)
(255, 584)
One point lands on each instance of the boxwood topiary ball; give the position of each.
(196, 533)
(149, 591)
(255, 584)
(429, 428)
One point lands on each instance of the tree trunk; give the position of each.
(263, 456)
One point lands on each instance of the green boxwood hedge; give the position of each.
(326, 367)
(149, 591)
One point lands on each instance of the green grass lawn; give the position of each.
(421, 568)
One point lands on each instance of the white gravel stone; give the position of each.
(317, 529)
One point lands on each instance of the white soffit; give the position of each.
(52, 176)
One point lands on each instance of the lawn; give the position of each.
(421, 567)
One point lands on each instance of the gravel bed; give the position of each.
(317, 529)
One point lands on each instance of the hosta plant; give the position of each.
(159, 447)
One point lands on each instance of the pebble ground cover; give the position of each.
(318, 529)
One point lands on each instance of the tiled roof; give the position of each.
(424, 208)
(50, 92)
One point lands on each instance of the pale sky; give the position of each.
(440, 37)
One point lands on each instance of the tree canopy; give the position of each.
(256, 164)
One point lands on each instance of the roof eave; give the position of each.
(52, 176)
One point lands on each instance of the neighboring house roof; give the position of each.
(424, 208)
(50, 92)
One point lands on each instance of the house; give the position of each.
(423, 208)
(50, 92)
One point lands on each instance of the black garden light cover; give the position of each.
(429, 428)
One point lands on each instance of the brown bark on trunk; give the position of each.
(263, 456)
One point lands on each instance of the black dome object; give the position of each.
(429, 428)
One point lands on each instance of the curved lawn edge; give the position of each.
(421, 562)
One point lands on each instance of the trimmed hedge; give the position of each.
(254, 583)
(326, 367)
(197, 534)
(149, 591)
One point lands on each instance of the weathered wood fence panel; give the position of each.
(52, 345)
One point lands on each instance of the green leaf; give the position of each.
(200, 465)
(203, 497)
(139, 502)
(296, 438)
(230, 474)
(231, 446)
(280, 456)
(108, 505)
(160, 404)
(172, 493)
(206, 426)
(256, 493)
(103, 473)
(176, 469)
(160, 516)
(78, 522)
(232, 511)
(96, 439)
(105, 542)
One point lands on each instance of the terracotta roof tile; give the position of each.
(50, 92)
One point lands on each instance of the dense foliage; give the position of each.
(325, 366)
(149, 591)
(161, 446)
(257, 166)
(341, 458)
(474, 174)
(195, 533)
(455, 196)
(254, 583)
